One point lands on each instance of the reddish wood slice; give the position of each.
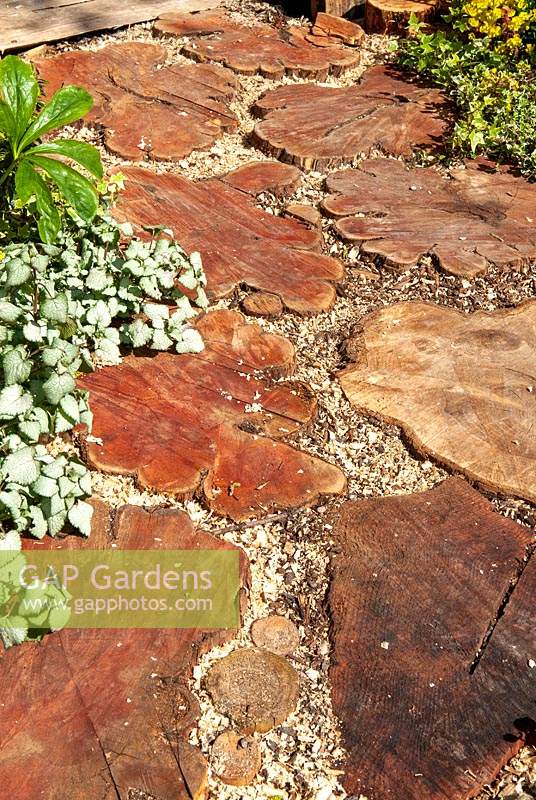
(465, 221)
(147, 111)
(262, 304)
(258, 48)
(317, 126)
(98, 713)
(330, 26)
(391, 17)
(240, 243)
(182, 423)
(461, 386)
(308, 214)
(418, 581)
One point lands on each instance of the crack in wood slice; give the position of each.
(463, 387)
(318, 127)
(416, 582)
(467, 220)
(147, 110)
(391, 17)
(240, 243)
(99, 713)
(260, 48)
(211, 422)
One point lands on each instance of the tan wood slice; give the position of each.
(391, 17)
(308, 214)
(147, 111)
(236, 759)
(319, 127)
(462, 386)
(260, 48)
(89, 712)
(332, 26)
(214, 422)
(467, 220)
(430, 669)
(262, 304)
(240, 244)
(25, 23)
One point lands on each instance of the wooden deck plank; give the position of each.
(26, 23)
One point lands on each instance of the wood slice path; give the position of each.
(472, 218)
(241, 245)
(99, 713)
(212, 422)
(261, 48)
(148, 111)
(24, 23)
(463, 387)
(430, 672)
(318, 127)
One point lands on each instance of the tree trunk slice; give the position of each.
(211, 422)
(308, 214)
(147, 111)
(240, 243)
(263, 49)
(461, 387)
(277, 634)
(476, 218)
(236, 759)
(262, 304)
(255, 688)
(258, 177)
(430, 694)
(67, 729)
(391, 17)
(331, 26)
(320, 127)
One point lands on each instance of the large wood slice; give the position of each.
(211, 422)
(465, 221)
(241, 244)
(148, 110)
(391, 17)
(433, 692)
(463, 387)
(97, 713)
(318, 126)
(260, 48)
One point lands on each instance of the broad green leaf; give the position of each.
(66, 486)
(32, 332)
(21, 467)
(9, 312)
(99, 315)
(30, 429)
(7, 123)
(69, 406)
(55, 309)
(14, 401)
(17, 272)
(45, 487)
(57, 386)
(80, 517)
(19, 90)
(38, 527)
(139, 333)
(67, 105)
(56, 523)
(17, 366)
(77, 190)
(28, 184)
(83, 153)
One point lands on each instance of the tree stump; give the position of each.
(462, 386)
(240, 243)
(391, 17)
(318, 127)
(472, 218)
(263, 49)
(121, 724)
(430, 669)
(148, 111)
(211, 422)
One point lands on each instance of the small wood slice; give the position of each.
(391, 17)
(255, 688)
(462, 386)
(432, 632)
(120, 697)
(211, 422)
(240, 243)
(477, 217)
(277, 634)
(262, 304)
(330, 26)
(319, 127)
(147, 110)
(236, 759)
(308, 214)
(259, 48)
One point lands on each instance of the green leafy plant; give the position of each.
(29, 166)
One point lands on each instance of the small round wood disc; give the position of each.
(277, 634)
(256, 688)
(236, 759)
(262, 304)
